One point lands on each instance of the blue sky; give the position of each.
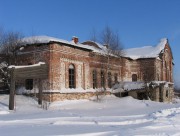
(138, 22)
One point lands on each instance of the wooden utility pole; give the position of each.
(40, 93)
(12, 90)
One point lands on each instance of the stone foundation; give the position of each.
(51, 97)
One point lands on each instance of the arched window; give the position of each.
(102, 79)
(134, 77)
(71, 76)
(109, 80)
(94, 74)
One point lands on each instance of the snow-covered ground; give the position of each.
(111, 116)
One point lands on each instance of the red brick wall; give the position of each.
(59, 57)
(140, 67)
(64, 55)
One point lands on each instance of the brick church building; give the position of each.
(80, 70)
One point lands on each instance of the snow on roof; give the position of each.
(130, 86)
(133, 53)
(25, 66)
(100, 45)
(94, 44)
(99, 48)
(146, 51)
(48, 39)
(127, 86)
(40, 39)
(102, 49)
(158, 83)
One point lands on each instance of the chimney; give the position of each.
(75, 39)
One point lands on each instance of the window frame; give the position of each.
(72, 75)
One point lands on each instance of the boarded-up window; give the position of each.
(134, 77)
(94, 74)
(115, 78)
(71, 76)
(109, 80)
(102, 79)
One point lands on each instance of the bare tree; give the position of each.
(9, 45)
(107, 37)
(110, 38)
(93, 35)
(112, 49)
